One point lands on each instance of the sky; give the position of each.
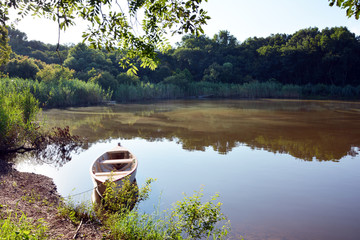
(242, 18)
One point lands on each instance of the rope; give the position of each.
(80, 193)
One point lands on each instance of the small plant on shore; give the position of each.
(77, 212)
(124, 198)
(13, 227)
(192, 219)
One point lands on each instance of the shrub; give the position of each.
(61, 93)
(18, 111)
(188, 219)
(22, 228)
(118, 212)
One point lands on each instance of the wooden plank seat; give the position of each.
(112, 173)
(117, 161)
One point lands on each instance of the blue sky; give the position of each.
(242, 18)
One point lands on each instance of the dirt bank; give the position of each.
(36, 196)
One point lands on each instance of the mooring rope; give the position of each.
(69, 196)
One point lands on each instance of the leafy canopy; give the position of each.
(352, 6)
(137, 26)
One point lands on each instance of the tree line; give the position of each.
(310, 58)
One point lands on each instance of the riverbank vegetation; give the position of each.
(116, 216)
(20, 130)
(14, 227)
(26, 213)
(120, 216)
(310, 63)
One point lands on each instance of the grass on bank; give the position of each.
(60, 93)
(74, 92)
(119, 217)
(251, 90)
(14, 227)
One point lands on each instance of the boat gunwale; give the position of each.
(115, 177)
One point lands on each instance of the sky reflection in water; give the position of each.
(284, 169)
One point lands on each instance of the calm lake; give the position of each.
(283, 169)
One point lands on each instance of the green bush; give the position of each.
(188, 219)
(59, 93)
(22, 228)
(119, 214)
(18, 111)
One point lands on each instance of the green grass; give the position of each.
(61, 93)
(13, 227)
(250, 90)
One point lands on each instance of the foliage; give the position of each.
(141, 92)
(217, 73)
(180, 78)
(119, 215)
(122, 199)
(136, 226)
(309, 56)
(105, 79)
(18, 110)
(22, 67)
(124, 78)
(280, 65)
(4, 46)
(110, 27)
(54, 72)
(192, 219)
(13, 227)
(189, 219)
(76, 212)
(19, 129)
(59, 93)
(352, 7)
(81, 58)
(35, 49)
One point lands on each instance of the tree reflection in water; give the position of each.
(57, 147)
(308, 130)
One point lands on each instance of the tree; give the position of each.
(4, 46)
(124, 78)
(54, 73)
(225, 38)
(22, 67)
(112, 24)
(180, 78)
(352, 7)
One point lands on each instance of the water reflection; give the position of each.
(307, 130)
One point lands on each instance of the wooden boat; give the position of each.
(114, 165)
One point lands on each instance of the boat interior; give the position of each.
(114, 163)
